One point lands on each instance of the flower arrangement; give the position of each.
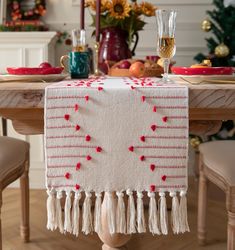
(125, 15)
(17, 13)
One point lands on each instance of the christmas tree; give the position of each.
(221, 46)
(221, 23)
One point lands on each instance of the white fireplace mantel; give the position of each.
(26, 49)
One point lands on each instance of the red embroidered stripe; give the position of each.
(165, 157)
(66, 97)
(58, 186)
(66, 156)
(55, 176)
(172, 127)
(170, 167)
(175, 176)
(60, 107)
(177, 117)
(58, 127)
(162, 147)
(166, 97)
(171, 186)
(61, 166)
(65, 136)
(166, 137)
(72, 146)
(172, 107)
(54, 117)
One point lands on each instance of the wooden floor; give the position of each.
(43, 239)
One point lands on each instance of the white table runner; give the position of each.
(116, 135)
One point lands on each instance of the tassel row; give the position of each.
(120, 217)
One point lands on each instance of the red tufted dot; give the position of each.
(164, 177)
(88, 138)
(87, 98)
(143, 98)
(76, 107)
(88, 158)
(164, 119)
(154, 127)
(67, 175)
(77, 127)
(154, 109)
(152, 188)
(152, 167)
(100, 88)
(98, 149)
(131, 148)
(142, 138)
(66, 117)
(77, 187)
(78, 166)
(142, 157)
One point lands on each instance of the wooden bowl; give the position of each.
(150, 71)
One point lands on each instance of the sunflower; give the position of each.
(119, 9)
(148, 9)
(136, 8)
(92, 4)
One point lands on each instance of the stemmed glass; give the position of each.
(166, 22)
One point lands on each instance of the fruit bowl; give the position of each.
(149, 70)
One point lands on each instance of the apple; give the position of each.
(139, 60)
(124, 65)
(137, 69)
(45, 65)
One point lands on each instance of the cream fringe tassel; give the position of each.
(141, 227)
(120, 214)
(153, 215)
(121, 218)
(67, 213)
(97, 213)
(131, 213)
(76, 213)
(175, 221)
(183, 213)
(111, 212)
(87, 226)
(59, 219)
(51, 211)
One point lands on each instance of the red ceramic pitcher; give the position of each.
(114, 47)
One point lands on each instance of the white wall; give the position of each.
(64, 15)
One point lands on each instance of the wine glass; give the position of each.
(166, 21)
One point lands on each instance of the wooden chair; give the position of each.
(14, 164)
(217, 164)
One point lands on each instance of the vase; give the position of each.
(114, 47)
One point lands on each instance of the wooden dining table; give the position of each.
(209, 105)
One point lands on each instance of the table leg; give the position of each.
(111, 241)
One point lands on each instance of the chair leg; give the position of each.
(231, 231)
(0, 220)
(4, 127)
(24, 187)
(202, 208)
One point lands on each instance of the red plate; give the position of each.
(35, 71)
(202, 71)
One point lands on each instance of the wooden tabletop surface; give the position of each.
(204, 99)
